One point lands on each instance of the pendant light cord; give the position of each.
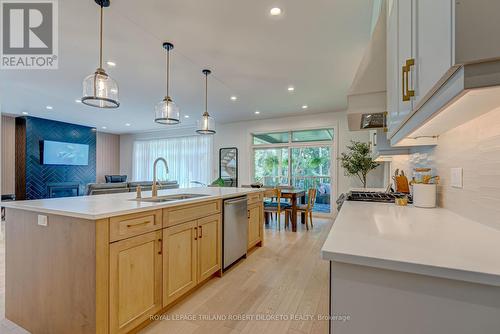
(206, 92)
(168, 72)
(100, 38)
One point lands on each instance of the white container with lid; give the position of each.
(424, 195)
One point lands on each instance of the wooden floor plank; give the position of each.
(286, 276)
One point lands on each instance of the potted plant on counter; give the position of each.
(357, 161)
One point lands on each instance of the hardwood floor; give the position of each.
(285, 277)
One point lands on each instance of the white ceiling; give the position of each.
(315, 46)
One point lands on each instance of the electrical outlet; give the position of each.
(457, 178)
(42, 220)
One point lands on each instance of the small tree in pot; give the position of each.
(358, 161)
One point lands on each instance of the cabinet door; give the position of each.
(209, 246)
(405, 53)
(179, 260)
(134, 280)
(393, 71)
(254, 225)
(433, 44)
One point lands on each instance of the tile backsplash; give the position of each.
(475, 147)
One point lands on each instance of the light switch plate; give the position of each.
(42, 220)
(457, 178)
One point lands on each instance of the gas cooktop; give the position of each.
(382, 197)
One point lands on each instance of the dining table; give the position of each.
(297, 196)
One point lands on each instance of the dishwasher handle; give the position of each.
(235, 201)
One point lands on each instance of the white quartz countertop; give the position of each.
(110, 205)
(432, 242)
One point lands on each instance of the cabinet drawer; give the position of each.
(176, 215)
(254, 198)
(123, 227)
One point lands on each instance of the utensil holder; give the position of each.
(424, 195)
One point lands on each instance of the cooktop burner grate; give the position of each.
(363, 196)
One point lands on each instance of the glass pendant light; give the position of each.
(166, 111)
(99, 89)
(206, 124)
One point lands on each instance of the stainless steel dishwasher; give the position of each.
(235, 230)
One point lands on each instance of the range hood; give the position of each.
(366, 100)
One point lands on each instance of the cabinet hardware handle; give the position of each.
(201, 232)
(160, 241)
(195, 233)
(138, 224)
(403, 81)
(248, 214)
(409, 92)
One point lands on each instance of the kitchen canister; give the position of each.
(424, 195)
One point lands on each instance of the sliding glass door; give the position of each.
(301, 159)
(310, 168)
(271, 166)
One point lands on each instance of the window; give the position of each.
(270, 138)
(312, 135)
(301, 159)
(189, 159)
(271, 166)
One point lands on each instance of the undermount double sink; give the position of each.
(169, 198)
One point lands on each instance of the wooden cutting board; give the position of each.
(402, 184)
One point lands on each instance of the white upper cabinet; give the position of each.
(400, 71)
(439, 54)
(405, 58)
(432, 45)
(392, 68)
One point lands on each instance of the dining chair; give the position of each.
(275, 205)
(306, 208)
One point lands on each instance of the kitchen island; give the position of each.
(107, 263)
(409, 270)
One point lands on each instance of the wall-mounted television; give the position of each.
(61, 153)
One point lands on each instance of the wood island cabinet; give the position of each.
(192, 253)
(255, 226)
(113, 273)
(209, 246)
(255, 220)
(179, 260)
(136, 277)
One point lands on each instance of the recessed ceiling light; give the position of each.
(275, 11)
(78, 101)
(127, 124)
(291, 89)
(24, 113)
(234, 98)
(186, 116)
(111, 63)
(257, 112)
(103, 127)
(305, 106)
(49, 107)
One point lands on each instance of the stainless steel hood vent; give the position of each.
(367, 121)
(372, 121)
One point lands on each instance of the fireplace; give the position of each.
(63, 189)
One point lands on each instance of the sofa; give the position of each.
(124, 187)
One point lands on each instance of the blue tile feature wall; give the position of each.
(38, 175)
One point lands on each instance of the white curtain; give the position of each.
(189, 159)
